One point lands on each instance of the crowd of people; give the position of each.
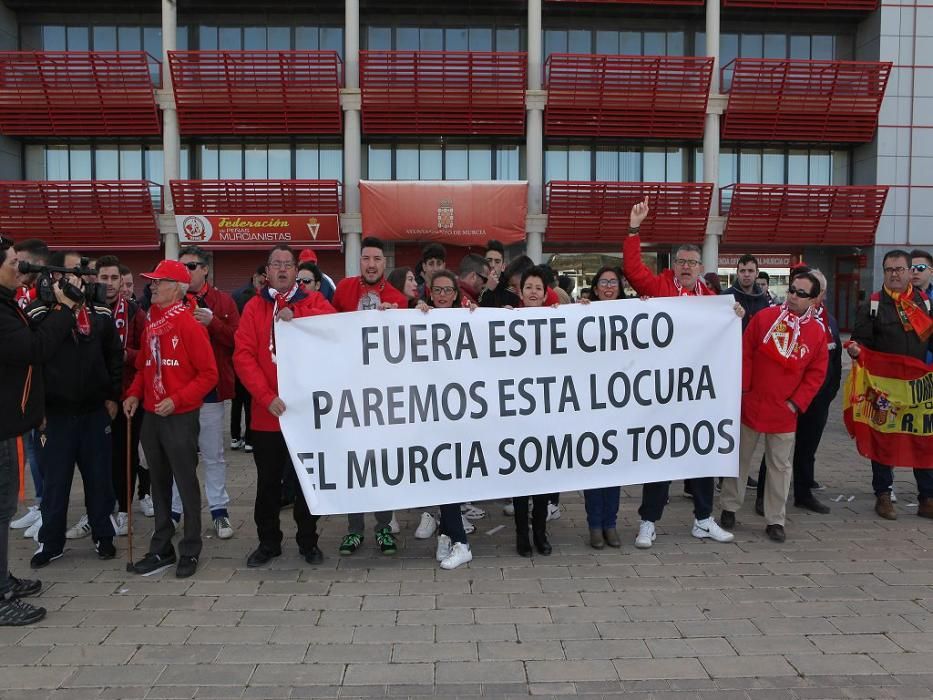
(131, 389)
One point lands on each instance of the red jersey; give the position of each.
(353, 294)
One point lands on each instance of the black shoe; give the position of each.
(23, 587)
(151, 562)
(817, 486)
(261, 556)
(727, 519)
(776, 532)
(523, 544)
(186, 567)
(105, 548)
(313, 556)
(542, 544)
(43, 557)
(16, 613)
(751, 483)
(812, 503)
(760, 506)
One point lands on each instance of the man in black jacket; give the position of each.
(879, 326)
(746, 291)
(21, 407)
(83, 387)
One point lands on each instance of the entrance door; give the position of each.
(847, 291)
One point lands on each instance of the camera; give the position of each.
(91, 294)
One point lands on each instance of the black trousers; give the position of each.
(452, 523)
(83, 440)
(538, 513)
(242, 403)
(118, 459)
(171, 447)
(272, 459)
(654, 497)
(9, 492)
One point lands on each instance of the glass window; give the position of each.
(675, 44)
(152, 42)
(630, 165)
(380, 163)
(800, 47)
(555, 164)
(181, 39)
(823, 47)
(131, 163)
(820, 168)
(797, 168)
(507, 163)
(279, 38)
(280, 162)
(406, 39)
(230, 39)
(185, 164)
(332, 39)
(840, 166)
(480, 163)
(772, 171)
(655, 165)
(607, 42)
(406, 162)
(254, 38)
(675, 165)
(555, 41)
(78, 39)
(480, 39)
(775, 46)
(207, 38)
(431, 163)
(331, 162)
(210, 163)
(306, 163)
(655, 44)
(630, 43)
(306, 38)
(699, 44)
(79, 163)
(56, 163)
(105, 38)
(728, 48)
(455, 163)
(579, 160)
(456, 39)
(728, 167)
(607, 165)
(753, 46)
(129, 39)
(154, 165)
(750, 166)
(379, 39)
(106, 163)
(53, 39)
(231, 163)
(579, 41)
(257, 162)
(431, 39)
(508, 40)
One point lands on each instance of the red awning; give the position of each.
(78, 93)
(443, 92)
(801, 215)
(791, 100)
(84, 215)
(257, 92)
(626, 96)
(832, 5)
(598, 212)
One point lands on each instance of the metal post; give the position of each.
(711, 140)
(171, 138)
(352, 136)
(534, 132)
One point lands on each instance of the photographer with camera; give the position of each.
(21, 408)
(84, 381)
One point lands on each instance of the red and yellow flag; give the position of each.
(889, 409)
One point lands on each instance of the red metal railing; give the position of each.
(443, 92)
(85, 215)
(78, 93)
(833, 5)
(796, 100)
(593, 212)
(256, 196)
(787, 215)
(622, 96)
(257, 92)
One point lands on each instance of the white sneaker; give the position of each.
(120, 524)
(468, 527)
(508, 509)
(459, 554)
(426, 528)
(145, 505)
(31, 516)
(472, 512)
(237, 444)
(708, 528)
(394, 527)
(893, 497)
(223, 528)
(553, 511)
(33, 530)
(646, 535)
(443, 547)
(80, 529)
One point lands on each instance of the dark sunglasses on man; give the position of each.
(921, 267)
(793, 291)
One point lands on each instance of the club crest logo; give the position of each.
(196, 229)
(174, 342)
(445, 215)
(314, 227)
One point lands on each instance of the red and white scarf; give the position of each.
(279, 302)
(121, 319)
(156, 327)
(699, 289)
(781, 340)
(25, 296)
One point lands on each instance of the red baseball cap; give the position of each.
(307, 255)
(170, 270)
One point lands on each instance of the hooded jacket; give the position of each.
(752, 302)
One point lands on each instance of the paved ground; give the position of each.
(843, 610)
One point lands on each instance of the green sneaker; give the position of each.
(350, 544)
(386, 541)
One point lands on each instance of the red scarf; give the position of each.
(699, 289)
(83, 320)
(25, 296)
(279, 301)
(914, 318)
(121, 318)
(781, 342)
(156, 327)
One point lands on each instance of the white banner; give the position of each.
(398, 409)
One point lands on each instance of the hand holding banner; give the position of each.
(397, 409)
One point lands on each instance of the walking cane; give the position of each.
(129, 495)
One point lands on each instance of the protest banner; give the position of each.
(397, 409)
(889, 409)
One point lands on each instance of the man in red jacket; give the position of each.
(254, 359)
(175, 370)
(369, 291)
(684, 280)
(216, 311)
(784, 359)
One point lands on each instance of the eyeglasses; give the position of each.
(608, 283)
(306, 280)
(485, 278)
(443, 290)
(922, 267)
(684, 262)
(895, 270)
(794, 292)
(282, 265)
(192, 265)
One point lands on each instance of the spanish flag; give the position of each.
(889, 409)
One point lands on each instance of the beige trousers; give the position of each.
(779, 455)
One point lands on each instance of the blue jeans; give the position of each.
(31, 446)
(882, 480)
(602, 507)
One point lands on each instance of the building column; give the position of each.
(711, 142)
(171, 138)
(534, 136)
(351, 222)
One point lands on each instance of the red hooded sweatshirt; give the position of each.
(353, 294)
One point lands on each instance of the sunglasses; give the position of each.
(922, 267)
(306, 280)
(793, 291)
(192, 265)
